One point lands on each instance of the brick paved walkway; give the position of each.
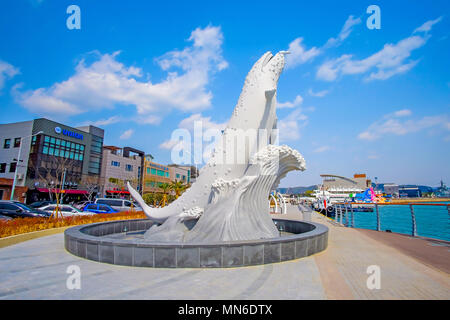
(36, 269)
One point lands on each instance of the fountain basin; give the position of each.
(92, 242)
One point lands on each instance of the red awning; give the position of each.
(68, 191)
(117, 191)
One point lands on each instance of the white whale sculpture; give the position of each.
(230, 195)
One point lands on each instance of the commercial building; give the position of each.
(118, 167)
(180, 173)
(358, 183)
(154, 175)
(391, 189)
(52, 156)
(409, 191)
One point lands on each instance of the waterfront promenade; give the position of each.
(410, 269)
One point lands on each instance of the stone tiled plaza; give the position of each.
(36, 269)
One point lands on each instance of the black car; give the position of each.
(4, 218)
(39, 204)
(14, 209)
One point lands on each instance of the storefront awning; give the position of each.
(67, 191)
(118, 191)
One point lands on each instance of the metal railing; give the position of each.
(432, 223)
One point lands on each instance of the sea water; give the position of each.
(431, 221)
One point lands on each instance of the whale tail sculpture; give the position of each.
(229, 198)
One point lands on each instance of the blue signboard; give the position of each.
(69, 133)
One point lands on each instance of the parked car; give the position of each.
(80, 205)
(66, 210)
(39, 204)
(4, 218)
(118, 204)
(14, 209)
(99, 208)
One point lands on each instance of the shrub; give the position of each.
(24, 225)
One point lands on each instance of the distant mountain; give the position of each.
(296, 190)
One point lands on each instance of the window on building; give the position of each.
(61, 148)
(154, 171)
(115, 163)
(16, 142)
(2, 167)
(7, 143)
(12, 167)
(129, 167)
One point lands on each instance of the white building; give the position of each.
(118, 167)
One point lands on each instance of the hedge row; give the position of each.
(24, 225)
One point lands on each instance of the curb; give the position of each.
(12, 240)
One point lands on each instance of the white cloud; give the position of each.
(299, 54)
(189, 123)
(7, 71)
(126, 134)
(345, 32)
(207, 123)
(289, 127)
(107, 82)
(318, 94)
(169, 144)
(148, 119)
(402, 113)
(103, 122)
(297, 102)
(388, 62)
(390, 124)
(382, 65)
(321, 149)
(427, 25)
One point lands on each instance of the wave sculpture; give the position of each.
(229, 199)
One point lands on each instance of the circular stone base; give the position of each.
(88, 241)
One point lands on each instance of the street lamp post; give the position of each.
(18, 162)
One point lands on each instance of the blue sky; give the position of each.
(351, 99)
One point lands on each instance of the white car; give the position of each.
(119, 204)
(66, 210)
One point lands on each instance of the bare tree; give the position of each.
(52, 175)
(91, 184)
(45, 180)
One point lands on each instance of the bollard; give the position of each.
(378, 218)
(336, 213)
(413, 218)
(346, 214)
(353, 216)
